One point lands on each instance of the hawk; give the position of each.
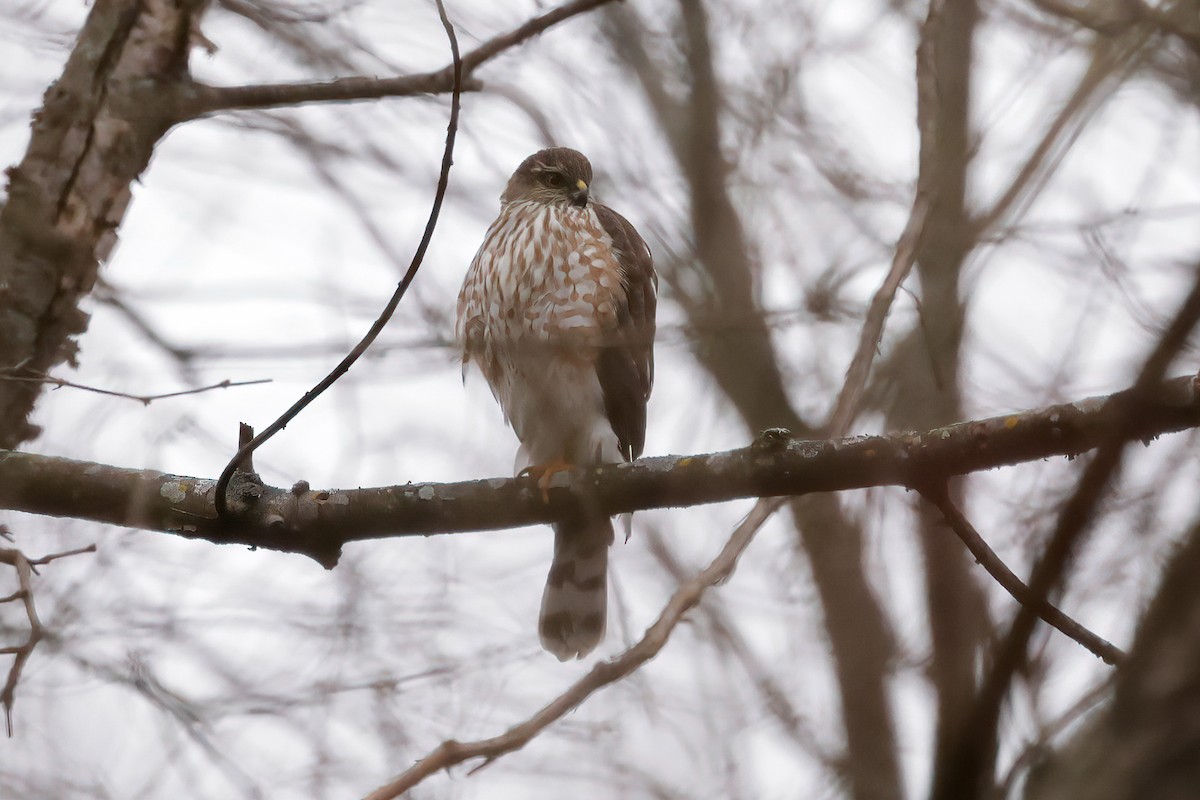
(557, 312)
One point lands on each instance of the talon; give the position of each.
(545, 473)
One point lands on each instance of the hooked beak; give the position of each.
(579, 197)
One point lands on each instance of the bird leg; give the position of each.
(545, 473)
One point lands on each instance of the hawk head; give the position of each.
(555, 176)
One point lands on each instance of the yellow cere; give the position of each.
(580, 184)
(1012, 422)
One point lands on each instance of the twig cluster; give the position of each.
(25, 569)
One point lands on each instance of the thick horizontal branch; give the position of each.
(318, 522)
(197, 99)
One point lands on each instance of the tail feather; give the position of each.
(575, 602)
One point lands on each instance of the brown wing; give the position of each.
(626, 366)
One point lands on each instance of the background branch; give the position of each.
(716, 280)
(1140, 743)
(905, 254)
(964, 779)
(197, 100)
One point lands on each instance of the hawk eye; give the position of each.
(555, 180)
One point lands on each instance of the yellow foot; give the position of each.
(545, 473)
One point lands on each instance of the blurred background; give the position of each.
(769, 151)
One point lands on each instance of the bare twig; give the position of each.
(872, 330)
(25, 570)
(905, 254)
(987, 558)
(112, 297)
(39, 562)
(451, 752)
(144, 399)
(198, 99)
(419, 257)
(722, 631)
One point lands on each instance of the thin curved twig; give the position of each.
(144, 399)
(345, 364)
(450, 753)
(987, 558)
(905, 255)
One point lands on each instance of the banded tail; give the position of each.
(575, 602)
